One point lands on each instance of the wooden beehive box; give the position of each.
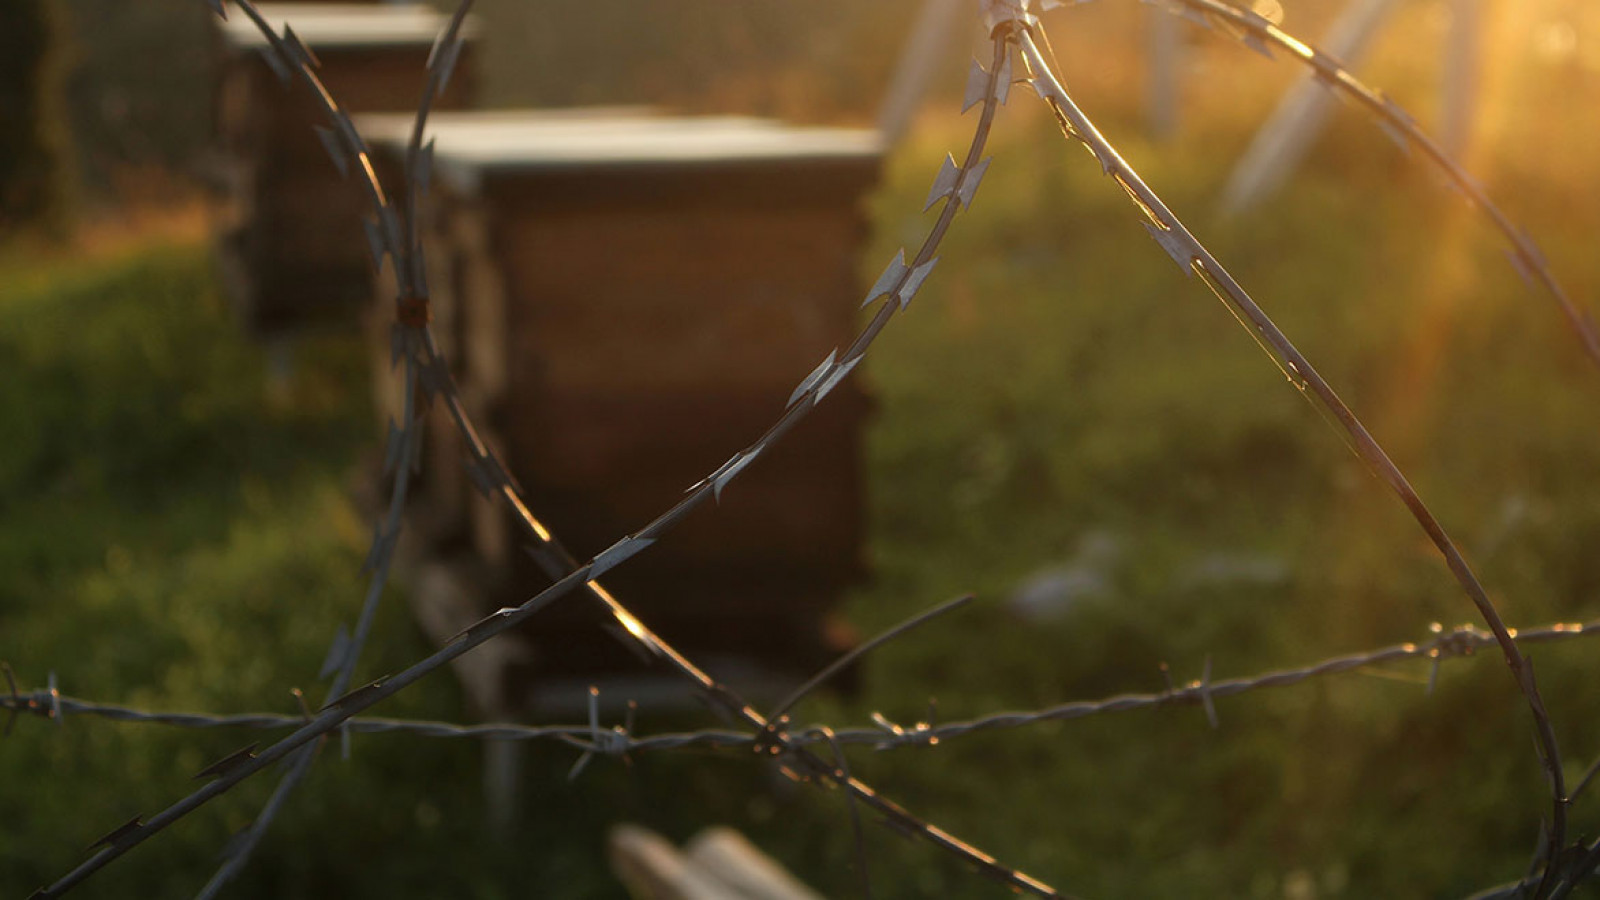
(628, 300)
(292, 245)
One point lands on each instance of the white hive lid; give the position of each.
(341, 25)
(617, 137)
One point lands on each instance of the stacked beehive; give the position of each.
(629, 299)
(292, 244)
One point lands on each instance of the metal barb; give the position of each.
(226, 765)
(800, 693)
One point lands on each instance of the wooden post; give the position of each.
(1462, 62)
(718, 864)
(923, 52)
(1165, 63)
(32, 143)
(1283, 141)
(653, 869)
(445, 603)
(732, 859)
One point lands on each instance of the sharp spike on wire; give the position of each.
(1520, 263)
(222, 767)
(800, 693)
(482, 480)
(616, 554)
(944, 184)
(119, 834)
(1254, 42)
(1002, 84)
(218, 7)
(434, 377)
(891, 276)
(914, 282)
(444, 65)
(731, 469)
(433, 51)
(977, 86)
(330, 142)
(357, 695)
(424, 173)
(594, 732)
(375, 246)
(970, 181)
(375, 551)
(393, 448)
(485, 622)
(300, 700)
(838, 374)
(815, 376)
(298, 49)
(1175, 246)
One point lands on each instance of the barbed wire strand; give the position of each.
(1259, 33)
(1445, 645)
(898, 631)
(1193, 258)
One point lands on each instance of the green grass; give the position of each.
(179, 533)
(1061, 378)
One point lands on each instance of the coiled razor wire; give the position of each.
(395, 235)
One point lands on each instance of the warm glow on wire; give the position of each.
(634, 626)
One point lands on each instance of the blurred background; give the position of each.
(1064, 425)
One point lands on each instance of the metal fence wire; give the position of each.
(1019, 56)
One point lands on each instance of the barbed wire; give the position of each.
(1460, 642)
(395, 235)
(1194, 259)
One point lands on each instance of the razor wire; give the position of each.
(413, 339)
(288, 56)
(427, 376)
(1193, 258)
(1260, 34)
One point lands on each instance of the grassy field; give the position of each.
(179, 532)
